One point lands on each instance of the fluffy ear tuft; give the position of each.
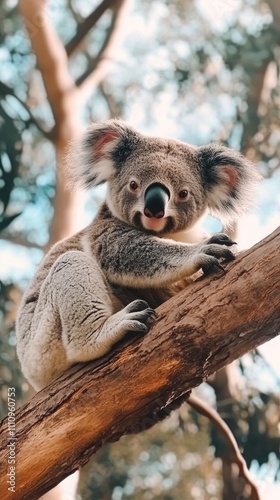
(95, 157)
(229, 180)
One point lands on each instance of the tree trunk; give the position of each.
(216, 320)
(66, 97)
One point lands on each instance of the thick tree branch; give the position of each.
(211, 323)
(51, 56)
(65, 97)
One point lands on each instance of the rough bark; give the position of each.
(216, 320)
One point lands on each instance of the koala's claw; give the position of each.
(211, 265)
(221, 239)
(218, 251)
(228, 256)
(137, 305)
(139, 316)
(210, 256)
(214, 250)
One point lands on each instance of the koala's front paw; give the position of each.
(211, 252)
(138, 316)
(220, 239)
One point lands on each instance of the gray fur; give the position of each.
(93, 288)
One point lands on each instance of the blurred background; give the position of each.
(195, 70)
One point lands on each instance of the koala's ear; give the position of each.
(229, 180)
(97, 155)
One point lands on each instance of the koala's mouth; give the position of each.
(153, 224)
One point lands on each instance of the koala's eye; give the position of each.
(133, 185)
(183, 194)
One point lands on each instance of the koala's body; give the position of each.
(93, 288)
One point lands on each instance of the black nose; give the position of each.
(156, 199)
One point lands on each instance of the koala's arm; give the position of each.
(132, 258)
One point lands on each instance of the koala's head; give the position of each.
(161, 185)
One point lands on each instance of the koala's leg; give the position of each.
(80, 295)
(75, 319)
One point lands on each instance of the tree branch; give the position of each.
(274, 7)
(254, 91)
(214, 321)
(113, 106)
(19, 240)
(229, 438)
(87, 24)
(65, 100)
(6, 90)
(96, 69)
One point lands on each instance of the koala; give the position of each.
(95, 287)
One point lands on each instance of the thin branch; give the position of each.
(6, 90)
(18, 240)
(97, 68)
(214, 416)
(87, 24)
(113, 106)
(75, 14)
